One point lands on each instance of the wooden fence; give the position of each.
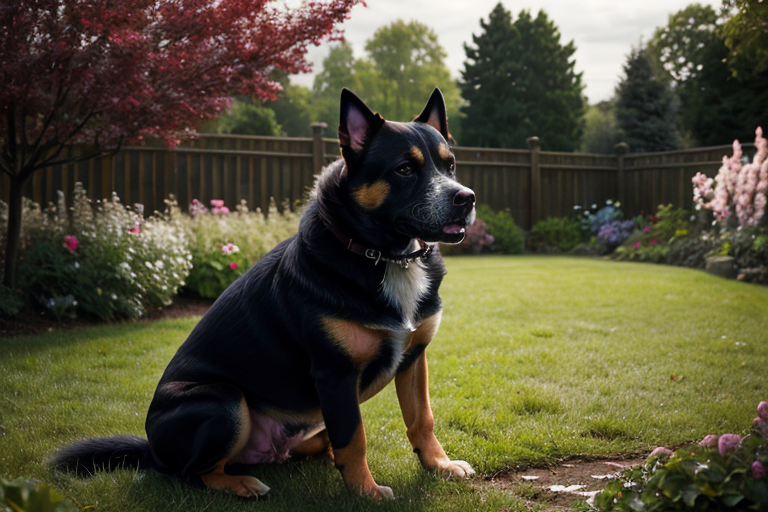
(533, 184)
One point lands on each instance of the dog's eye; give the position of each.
(404, 170)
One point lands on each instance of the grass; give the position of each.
(538, 359)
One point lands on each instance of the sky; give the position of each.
(603, 31)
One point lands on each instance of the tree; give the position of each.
(746, 34)
(600, 132)
(722, 98)
(646, 106)
(409, 62)
(520, 81)
(98, 73)
(404, 62)
(249, 118)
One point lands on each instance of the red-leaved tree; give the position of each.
(99, 72)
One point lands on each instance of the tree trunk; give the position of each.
(13, 239)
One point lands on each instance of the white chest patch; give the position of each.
(404, 289)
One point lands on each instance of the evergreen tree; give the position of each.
(519, 81)
(646, 110)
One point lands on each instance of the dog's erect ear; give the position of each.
(434, 113)
(357, 124)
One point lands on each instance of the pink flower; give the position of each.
(728, 442)
(229, 249)
(70, 243)
(233, 265)
(710, 440)
(636, 245)
(659, 451)
(646, 229)
(758, 471)
(217, 203)
(762, 410)
(653, 242)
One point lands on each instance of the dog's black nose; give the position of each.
(464, 197)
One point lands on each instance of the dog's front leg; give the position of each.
(413, 393)
(341, 413)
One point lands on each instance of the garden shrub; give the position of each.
(10, 302)
(653, 239)
(508, 237)
(224, 244)
(101, 260)
(720, 473)
(690, 251)
(749, 248)
(554, 234)
(28, 496)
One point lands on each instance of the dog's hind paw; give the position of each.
(455, 469)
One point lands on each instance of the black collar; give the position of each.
(376, 255)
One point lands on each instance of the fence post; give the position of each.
(534, 199)
(621, 149)
(318, 148)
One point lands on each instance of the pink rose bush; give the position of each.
(725, 472)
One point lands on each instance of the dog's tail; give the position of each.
(87, 456)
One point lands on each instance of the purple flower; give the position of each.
(710, 440)
(758, 471)
(659, 451)
(762, 410)
(728, 442)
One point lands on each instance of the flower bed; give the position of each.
(103, 260)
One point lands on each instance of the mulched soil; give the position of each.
(30, 322)
(559, 488)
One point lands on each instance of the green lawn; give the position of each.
(538, 359)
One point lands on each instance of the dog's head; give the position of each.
(402, 176)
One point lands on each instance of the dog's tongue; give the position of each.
(453, 229)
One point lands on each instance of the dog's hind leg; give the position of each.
(315, 442)
(196, 430)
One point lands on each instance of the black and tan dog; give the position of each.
(281, 362)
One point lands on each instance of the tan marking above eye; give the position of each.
(417, 155)
(444, 151)
(371, 196)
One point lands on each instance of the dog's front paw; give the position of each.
(454, 469)
(383, 493)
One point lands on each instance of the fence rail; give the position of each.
(533, 184)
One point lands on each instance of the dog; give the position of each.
(280, 363)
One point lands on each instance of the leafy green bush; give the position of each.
(27, 496)
(720, 473)
(690, 251)
(654, 237)
(508, 237)
(749, 248)
(103, 260)
(554, 234)
(225, 244)
(10, 302)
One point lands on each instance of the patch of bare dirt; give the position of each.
(30, 322)
(559, 488)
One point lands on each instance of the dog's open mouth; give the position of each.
(454, 228)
